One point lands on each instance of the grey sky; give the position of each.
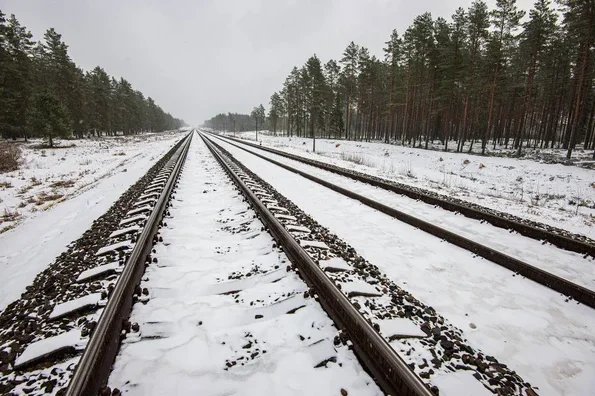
(199, 58)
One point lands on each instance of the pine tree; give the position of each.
(33, 76)
(505, 20)
(315, 94)
(331, 76)
(579, 20)
(100, 100)
(16, 72)
(350, 67)
(258, 115)
(276, 110)
(480, 76)
(477, 31)
(50, 117)
(537, 33)
(392, 57)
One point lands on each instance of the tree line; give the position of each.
(44, 93)
(231, 122)
(484, 77)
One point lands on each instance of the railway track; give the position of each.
(405, 346)
(71, 307)
(393, 375)
(539, 231)
(575, 291)
(225, 311)
(381, 302)
(472, 293)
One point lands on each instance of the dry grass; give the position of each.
(24, 189)
(7, 228)
(9, 215)
(407, 170)
(57, 146)
(5, 184)
(44, 197)
(121, 153)
(63, 183)
(356, 158)
(10, 157)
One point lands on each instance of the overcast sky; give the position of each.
(199, 58)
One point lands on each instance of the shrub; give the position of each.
(10, 156)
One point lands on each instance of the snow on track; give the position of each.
(548, 341)
(216, 320)
(565, 264)
(531, 188)
(29, 248)
(66, 298)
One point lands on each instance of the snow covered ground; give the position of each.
(555, 194)
(59, 192)
(566, 264)
(47, 177)
(547, 340)
(217, 318)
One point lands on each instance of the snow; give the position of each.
(548, 341)
(400, 328)
(335, 263)
(113, 247)
(569, 265)
(43, 235)
(150, 190)
(39, 349)
(534, 190)
(148, 201)
(160, 179)
(277, 208)
(296, 228)
(48, 177)
(74, 305)
(132, 219)
(242, 284)
(190, 332)
(359, 288)
(315, 244)
(285, 217)
(157, 183)
(93, 272)
(147, 196)
(463, 382)
(320, 351)
(125, 231)
(139, 210)
(262, 194)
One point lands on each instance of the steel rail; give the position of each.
(94, 367)
(388, 368)
(527, 230)
(554, 282)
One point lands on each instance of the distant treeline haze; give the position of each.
(484, 77)
(44, 93)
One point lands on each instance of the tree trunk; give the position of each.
(577, 103)
(390, 103)
(490, 110)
